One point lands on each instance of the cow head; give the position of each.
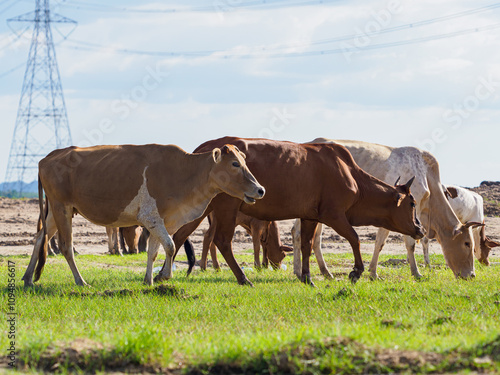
(271, 244)
(231, 175)
(484, 248)
(458, 250)
(402, 211)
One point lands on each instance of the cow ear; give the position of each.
(457, 230)
(451, 192)
(491, 243)
(217, 155)
(399, 199)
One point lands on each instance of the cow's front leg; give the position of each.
(297, 263)
(410, 251)
(342, 226)
(153, 247)
(380, 239)
(308, 230)
(222, 239)
(156, 227)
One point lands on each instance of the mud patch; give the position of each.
(85, 356)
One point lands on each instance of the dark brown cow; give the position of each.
(156, 186)
(265, 233)
(313, 182)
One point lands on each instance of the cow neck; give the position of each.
(442, 219)
(375, 198)
(201, 188)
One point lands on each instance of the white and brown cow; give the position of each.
(468, 206)
(433, 210)
(159, 187)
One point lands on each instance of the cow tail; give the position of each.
(188, 247)
(43, 251)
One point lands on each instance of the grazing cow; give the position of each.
(159, 187)
(265, 233)
(438, 218)
(468, 206)
(317, 183)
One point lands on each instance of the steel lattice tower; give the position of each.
(41, 123)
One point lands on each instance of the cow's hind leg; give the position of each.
(382, 235)
(410, 251)
(63, 216)
(319, 255)
(425, 247)
(51, 230)
(160, 232)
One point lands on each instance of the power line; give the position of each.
(215, 7)
(17, 67)
(85, 46)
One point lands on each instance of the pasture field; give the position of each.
(206, 323)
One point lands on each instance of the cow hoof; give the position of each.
(245, 281)
(354, 277)
(327, 275)
(374, 277)
(159, 278)
(418, 276)
(306, 279)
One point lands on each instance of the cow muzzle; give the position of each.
(257, 194)
(420, 233)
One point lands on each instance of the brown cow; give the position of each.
(159, 187)
(313, 182)
(265, 233)
(130, 239)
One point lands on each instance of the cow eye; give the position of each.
(413, 205)
(467, 244)
(236, 164)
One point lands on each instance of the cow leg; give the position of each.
(51, 230)
(213, 255)
(410, 251)
(63, 216)
(425, 248)
(256, 233)
(113, 241)
(308, 229)
(153, 247)
(319, 255)
(297, 258)
(342, 226)
(53, 248)
(159, 231)
(143, 240)
(382, 235)
(208, 245)
(123, 247)
(224, 233)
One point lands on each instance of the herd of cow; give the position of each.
(254, 183)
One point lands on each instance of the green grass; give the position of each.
(280, 325)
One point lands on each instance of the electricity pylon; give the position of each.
(41, 123)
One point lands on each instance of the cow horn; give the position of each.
(410, 182)
(473, 224)
(397, 181)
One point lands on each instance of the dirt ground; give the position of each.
(18, 219)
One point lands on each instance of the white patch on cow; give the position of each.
(143, 207)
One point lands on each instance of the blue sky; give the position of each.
(261, 73)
